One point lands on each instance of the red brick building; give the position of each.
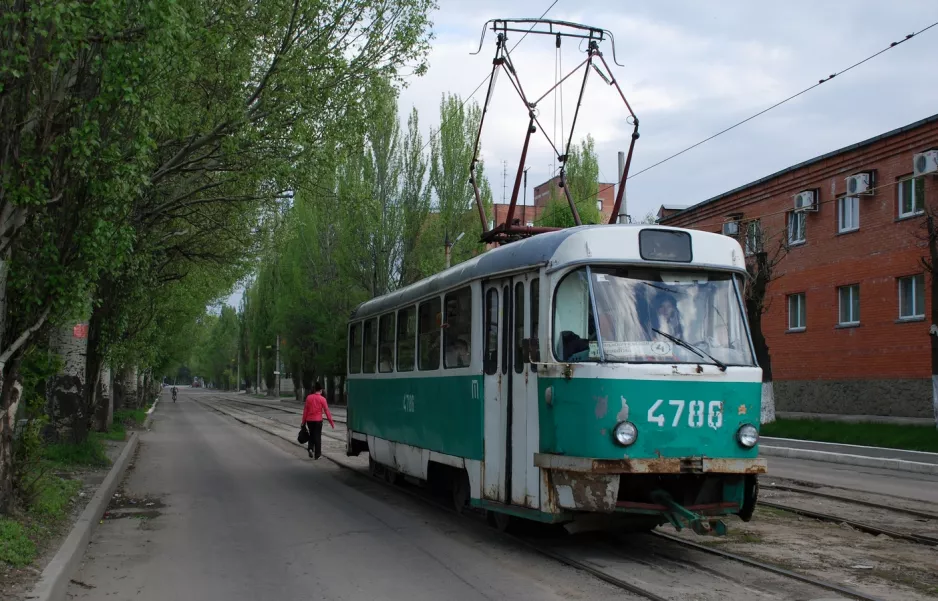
(846, 320)
(530, 214)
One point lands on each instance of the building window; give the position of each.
(753, 237)
(849, 304)
(457, 333)
(406, 338)
(796, 221)
(911, 196)
(912, 297)
(848, 214)
(797, 316)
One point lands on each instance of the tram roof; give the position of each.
(593, 244)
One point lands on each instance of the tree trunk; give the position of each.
(69, 415)
(342, 392)
(9, 399)
(104, 410)
(299, 392)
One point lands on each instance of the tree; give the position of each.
(762, 266)
(582, 176)
(451, 152)
(930, 262)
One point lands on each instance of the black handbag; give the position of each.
(303, 436)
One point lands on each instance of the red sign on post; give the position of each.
(80, 330)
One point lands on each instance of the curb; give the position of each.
(53, 584)
(916, 467)
(149, 419)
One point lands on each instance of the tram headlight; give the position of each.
(747, 435)
(625, 433)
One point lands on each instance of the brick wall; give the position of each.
(819, 369)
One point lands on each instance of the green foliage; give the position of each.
(89, 452)
(16, 548)
(911, 438)
(582, 176)
(19, 537)
(130, 418)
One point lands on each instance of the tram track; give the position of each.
(635, 585)
(843, 499)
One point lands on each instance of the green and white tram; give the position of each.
(590, 375)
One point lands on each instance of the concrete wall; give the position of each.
(881, 366)
(894, 398)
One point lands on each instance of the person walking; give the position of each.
(315, 406)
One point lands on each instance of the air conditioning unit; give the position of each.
(860, 183)
(731, 228)
(925, 162)
(806, 201)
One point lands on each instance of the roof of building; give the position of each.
(604, 244)
(808, 163)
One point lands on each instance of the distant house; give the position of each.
(531, 213)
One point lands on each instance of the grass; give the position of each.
(22, 535)
(912, 438)
(91, 452)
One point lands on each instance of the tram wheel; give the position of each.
(460, 492)
(391, 476)
(498, 520)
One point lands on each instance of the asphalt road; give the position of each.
(224, 512)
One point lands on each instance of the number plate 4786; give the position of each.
(696, 410)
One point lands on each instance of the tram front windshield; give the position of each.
(650, 316)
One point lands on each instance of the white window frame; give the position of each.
(801, 312)
(753, 240)
(917, 312)
(794, 217)
(912, 185)
(853, 319)
(854, 224)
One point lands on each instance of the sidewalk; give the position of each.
(857, 419)
(856, 455)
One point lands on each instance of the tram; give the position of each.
(596, 376)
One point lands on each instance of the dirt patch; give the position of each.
(878, 565)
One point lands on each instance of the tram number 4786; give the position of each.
(695, 413)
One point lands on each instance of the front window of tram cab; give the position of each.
(650, 316)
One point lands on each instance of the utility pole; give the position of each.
(278, 367)
(623, 211)
(524, 198)
(449, 247)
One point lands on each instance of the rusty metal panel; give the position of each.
(662, 465)
(586, 492)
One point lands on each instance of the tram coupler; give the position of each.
(681, 517)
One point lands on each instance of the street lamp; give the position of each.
(449, 246)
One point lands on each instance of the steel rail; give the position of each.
(808, 491)
(861, 526)
(770, 568)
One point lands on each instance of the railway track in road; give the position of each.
(275, 408)
(901, 523)
(678, 569)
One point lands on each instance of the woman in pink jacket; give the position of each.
(315, 406)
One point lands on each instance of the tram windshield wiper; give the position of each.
(692, 348)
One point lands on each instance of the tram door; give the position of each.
(510, 423)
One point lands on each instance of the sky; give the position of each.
(690, 69)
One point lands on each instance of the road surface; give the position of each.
(223, 512)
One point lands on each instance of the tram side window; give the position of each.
(428, 335)
(519, 327)
(490, 357)
(457, 334)
(573, 318)
(406, 338)
(386, 343)
(355, 349)
(370, 347)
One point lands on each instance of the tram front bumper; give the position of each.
(658, 465)
(590, 484)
